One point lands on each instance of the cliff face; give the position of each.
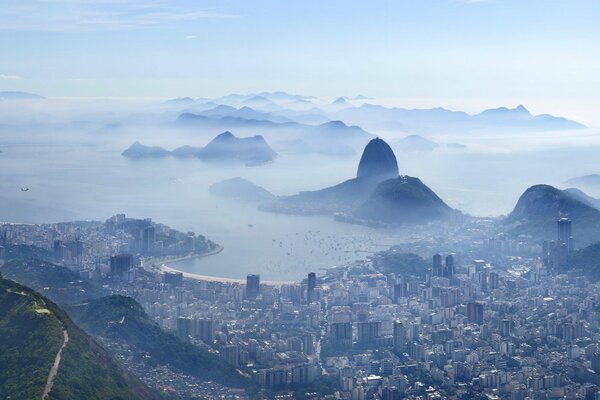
(378, 161)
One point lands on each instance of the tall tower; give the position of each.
(252, 286)
(437, 265)
(310, 289)
(563, 226)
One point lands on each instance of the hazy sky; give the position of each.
(540, 51)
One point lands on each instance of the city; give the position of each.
(391, 326)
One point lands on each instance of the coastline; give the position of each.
(163, 267)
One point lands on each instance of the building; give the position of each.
(252, 286)
(230, 354)
(340, 334)
(148, 237)
(121, 264)
(308, 343)
(475, 312)
(310, 289)
(205, 330)
(399, 337)
(173, 278)
(185, 327)
(368, 334)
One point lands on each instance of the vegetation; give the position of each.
(400, 263)
(122, 319)
(31, 327)
(588, 260)
(57, 282)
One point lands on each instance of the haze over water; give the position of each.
(75, 171)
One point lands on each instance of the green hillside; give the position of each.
(33, 330)
(122, 319)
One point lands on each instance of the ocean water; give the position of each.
(78, 174)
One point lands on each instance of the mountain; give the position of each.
(223, 148)
(181, 101)
(583, 197)
(439, 120)
(227, 147)
(587, 260)
(20, 96)
(122, 321)
(186, 151)
(377, 196)
(403, 200)
(538, 208)
(588, 181)
(332, 137)
(55, 281)
(415, 143)
(43, 352)
(520, 118)
(138, 150)
(241, 190)
(243, 112)
(377, 161)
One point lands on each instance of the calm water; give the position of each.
(83, 176)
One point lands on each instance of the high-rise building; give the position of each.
(563, 226)
(230, 354)
(252, 286)
(449, 270)
(475, 312)
(340, 334)
(148, 238)
(173, 278)
(308, 343)
(437, 265)
(368, 334)
(184, 327)
(310, 288)
(120, 264)
(399, 337)
(205, 330)
(58, 249)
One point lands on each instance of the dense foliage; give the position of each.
(588, 260)
(56, 282)
(400, 263)
(31, 328)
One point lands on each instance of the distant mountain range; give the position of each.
(415, 143)
(225, 147)
(241, 190)
(333, 137)
(43, 353)
(440, 120)
(20, 96)
(280, 107)
(539, 207)
(586, 181)
(377, 196)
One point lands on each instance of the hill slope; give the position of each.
(403, 200)
(121, 319)
(538, 208)
(35, 332)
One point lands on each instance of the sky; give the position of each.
(467, 53)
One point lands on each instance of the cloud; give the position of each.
(99, 15)
(190, 37)
(7, 77)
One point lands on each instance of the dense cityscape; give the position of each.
(491, 319)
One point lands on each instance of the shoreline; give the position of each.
(163, 267)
